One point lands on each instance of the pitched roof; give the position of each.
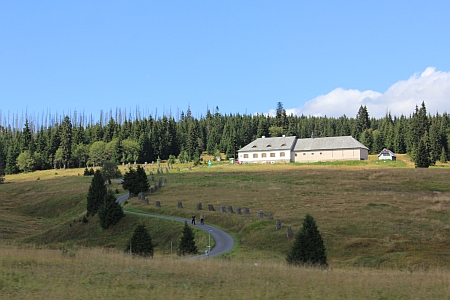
(271, 143)
(386, 151)
(328, 143)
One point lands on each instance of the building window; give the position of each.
(255, 155)
(264, 155)
(282, 154)
(320, 153)
(272, 154)
(304, 153)
(269, 146)
(295, 154)
(245, 155)
(312, 153)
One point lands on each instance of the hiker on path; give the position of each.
(193, 220)
(202, 219)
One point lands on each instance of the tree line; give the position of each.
(69, 142)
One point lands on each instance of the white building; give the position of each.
(330, 148)
(387, 154)
(268, 150)
(291, 149)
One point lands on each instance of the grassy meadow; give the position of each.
(385, 225)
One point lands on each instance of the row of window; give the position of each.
(263, 155)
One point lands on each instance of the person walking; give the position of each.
(193, 220)
(202, 219)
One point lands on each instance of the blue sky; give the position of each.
(316, 57)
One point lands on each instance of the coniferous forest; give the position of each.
(74, 141)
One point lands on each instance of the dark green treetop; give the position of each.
(308, 248)
(110, 212)
(141, 242)
(96, 194)
(187, 241)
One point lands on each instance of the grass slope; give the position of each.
(371, 214)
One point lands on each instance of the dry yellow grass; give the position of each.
(96, 273)
(393, 220)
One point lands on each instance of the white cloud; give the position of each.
(431, 86)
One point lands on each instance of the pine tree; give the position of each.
(422, 156)
(27, 138)
(435, 141)
(131, 182)
(66, 141)
(187, 242)
(11, 155)
(362, 121)
(141, 242)
(96, 194)
(142, 180)
(2, 166)
(308, 248)
(418, 127)
(366, 139)
(443, 158)
(110, 212)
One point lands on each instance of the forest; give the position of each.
(74, 142)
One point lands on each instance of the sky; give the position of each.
(318, 58)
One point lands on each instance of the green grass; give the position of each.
(369, 216)
(403, 205)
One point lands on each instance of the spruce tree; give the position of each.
(96, 194)
(422, 157)
(142, 179)
(2, 169)
(66, 141)
(187, 242)
(141, 242)
(131, 182)
(110, 212)
(362, 121)
(308, 248)
(443, 158)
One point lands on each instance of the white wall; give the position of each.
(267, 159)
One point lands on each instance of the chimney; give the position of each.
(312, 135)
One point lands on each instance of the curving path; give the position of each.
(223, 241)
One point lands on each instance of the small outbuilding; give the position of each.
(387, 154)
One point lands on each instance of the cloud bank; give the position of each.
(430, 86)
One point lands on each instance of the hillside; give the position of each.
(370, 214)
